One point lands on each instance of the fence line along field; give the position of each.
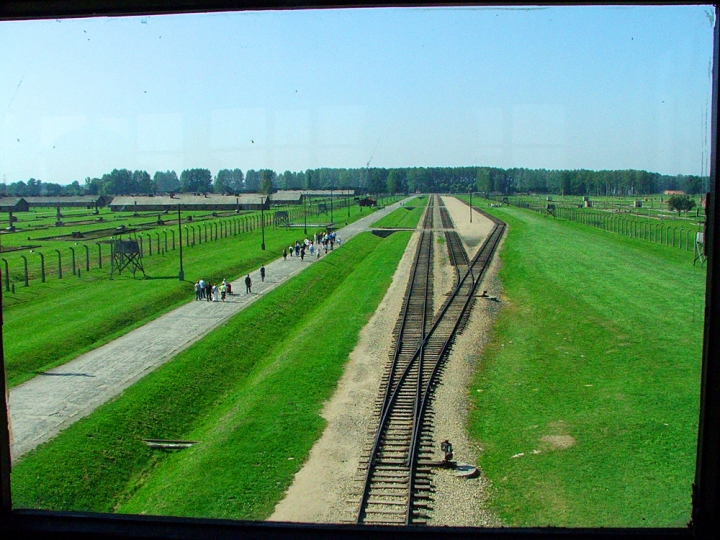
(648, 218)
(47, 324)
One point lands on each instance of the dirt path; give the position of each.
(323, 487)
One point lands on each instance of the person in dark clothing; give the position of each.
(284, 254)
(208, 291)
(262, 272)
(248, 284)
(302, 253)
(447, 450)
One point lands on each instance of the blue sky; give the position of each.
(558, 87)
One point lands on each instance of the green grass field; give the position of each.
(406, 216)
(587, 397)
(251, 392)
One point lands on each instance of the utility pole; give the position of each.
(181, 274)
(262, 220)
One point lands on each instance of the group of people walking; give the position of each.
(218, 292)
(212, 292)
(204, 290)
(320, 242)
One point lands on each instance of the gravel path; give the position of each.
(45, 405)
(323, 490)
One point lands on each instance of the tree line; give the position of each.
(371, 180)
(585, 182)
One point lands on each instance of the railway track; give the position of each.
(445, 219)
(396, 471)
(429, 220)
(458, 256)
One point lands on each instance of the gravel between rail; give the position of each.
(322, 488)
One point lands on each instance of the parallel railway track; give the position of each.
(397, 468)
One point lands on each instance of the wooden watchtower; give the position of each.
(126, 254)
(281, 219)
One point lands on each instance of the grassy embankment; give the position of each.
(405, 216)
(48, 324)
(251, 392)
(586, 399)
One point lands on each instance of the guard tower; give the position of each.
(126, 254)
(281, 219)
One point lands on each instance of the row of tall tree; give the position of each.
(585, 182)
(38, 188)
(373, 180)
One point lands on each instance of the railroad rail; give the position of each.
(456, 251)
(429, 220)
(447, 222)
(397, 469)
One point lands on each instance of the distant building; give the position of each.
(189, 201)
(367, 201)
(287, 197)
(11, 205)
(78, 201)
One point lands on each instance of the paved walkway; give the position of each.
(42, 407)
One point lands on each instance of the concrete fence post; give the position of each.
(59, 263)
(74, 270)
(24, 258)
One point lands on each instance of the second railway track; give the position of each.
(397, 469)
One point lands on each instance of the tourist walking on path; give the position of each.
(248, 284)
(202, 288)
(197, 290)
(284, 254)
(262, 272)
(223, 291)
(208, 291)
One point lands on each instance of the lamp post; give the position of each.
(347, 201)
(471, 206)
(331, 206)
(181, 273)
(305, 211)
(262, 220)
